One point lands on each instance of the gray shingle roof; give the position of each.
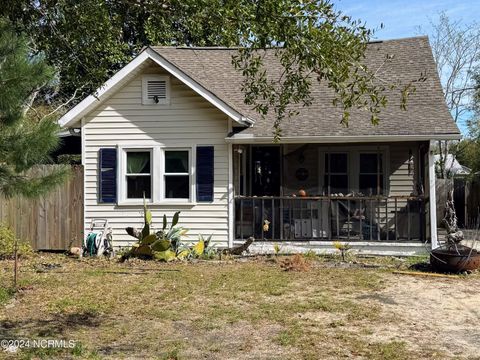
(426, 112)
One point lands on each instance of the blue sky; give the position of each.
(402, 18)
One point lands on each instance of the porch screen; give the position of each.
(336, 173)
(107, 192)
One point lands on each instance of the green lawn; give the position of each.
(232, 309)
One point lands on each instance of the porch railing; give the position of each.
(393, 218)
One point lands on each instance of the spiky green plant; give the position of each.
(165, 244)
(344, 248)
(276, 249)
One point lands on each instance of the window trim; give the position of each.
(149, 174)
(155, 77)
(191, 173)
(122, 174)
(157, 161)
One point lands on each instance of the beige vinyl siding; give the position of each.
(188, 120)
(402, 174)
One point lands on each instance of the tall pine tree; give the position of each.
(24, 141)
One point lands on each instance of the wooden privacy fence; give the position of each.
(473, 202)
(466, 197)
(53, 221)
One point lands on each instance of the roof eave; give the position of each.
(248, 139)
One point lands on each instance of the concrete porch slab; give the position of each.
(326, 247)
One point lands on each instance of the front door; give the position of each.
(265, 171)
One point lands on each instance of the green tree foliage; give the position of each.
(24, 142)
(467, 153)
(88, 40)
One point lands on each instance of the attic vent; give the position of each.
(155, 89)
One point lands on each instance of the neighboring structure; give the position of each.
(453, 167)
(458, 182)
(70, 146)
(172, 124)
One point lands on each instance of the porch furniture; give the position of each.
(311, 221)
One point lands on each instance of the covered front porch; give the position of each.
(313, 193)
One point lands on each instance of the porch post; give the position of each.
(432, 195)
(231, 220)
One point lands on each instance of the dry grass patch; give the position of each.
(219, 309)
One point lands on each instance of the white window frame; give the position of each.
(154, 77)
(190, 175)
(353, 154)
(122, 174)
(157, 169)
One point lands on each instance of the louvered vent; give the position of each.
(158, 89)
(155, 90)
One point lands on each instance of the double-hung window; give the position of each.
(371, 175)
(359, 170)
(336, 173)
(138, 174)
(163, 175)
(176, 174)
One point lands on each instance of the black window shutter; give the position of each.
(204, 173)
(108, 175)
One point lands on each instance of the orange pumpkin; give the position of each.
(302, 193)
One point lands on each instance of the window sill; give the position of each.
(158, 203)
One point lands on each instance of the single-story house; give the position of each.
(172, 124)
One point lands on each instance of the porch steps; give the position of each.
(326, 247)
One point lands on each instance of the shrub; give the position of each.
(6, 294)
(69, 159)
(7, 244)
